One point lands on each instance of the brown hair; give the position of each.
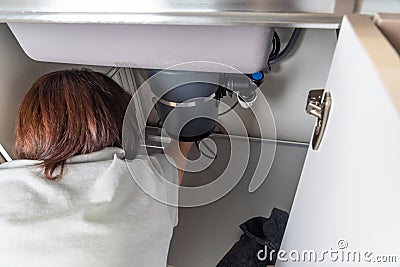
(67, 113)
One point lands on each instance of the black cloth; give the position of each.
(258, 233)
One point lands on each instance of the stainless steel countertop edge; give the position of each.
(298, 20)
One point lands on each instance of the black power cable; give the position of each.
(289, 47)
(208, 148)
(276, 46)
(230, 108)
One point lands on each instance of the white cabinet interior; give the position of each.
(205, 234)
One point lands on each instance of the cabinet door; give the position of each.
(348, 197)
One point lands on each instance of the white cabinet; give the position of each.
(348, 194)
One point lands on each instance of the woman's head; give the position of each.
(67, 113)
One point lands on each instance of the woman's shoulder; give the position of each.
(18, 164)
(18, 170)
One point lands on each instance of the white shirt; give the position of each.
(96, 215)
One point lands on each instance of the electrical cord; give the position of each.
(230, 108)
(208, 148)
(289, 47)
(159, 123)
(276, 46)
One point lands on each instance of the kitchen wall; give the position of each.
(375, 6)
(17, 73)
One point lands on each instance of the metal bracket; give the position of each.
(187, 104)
(4, 155)
(319, 106)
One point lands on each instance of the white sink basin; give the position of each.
(245, 48)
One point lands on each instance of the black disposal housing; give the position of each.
(186, 102)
